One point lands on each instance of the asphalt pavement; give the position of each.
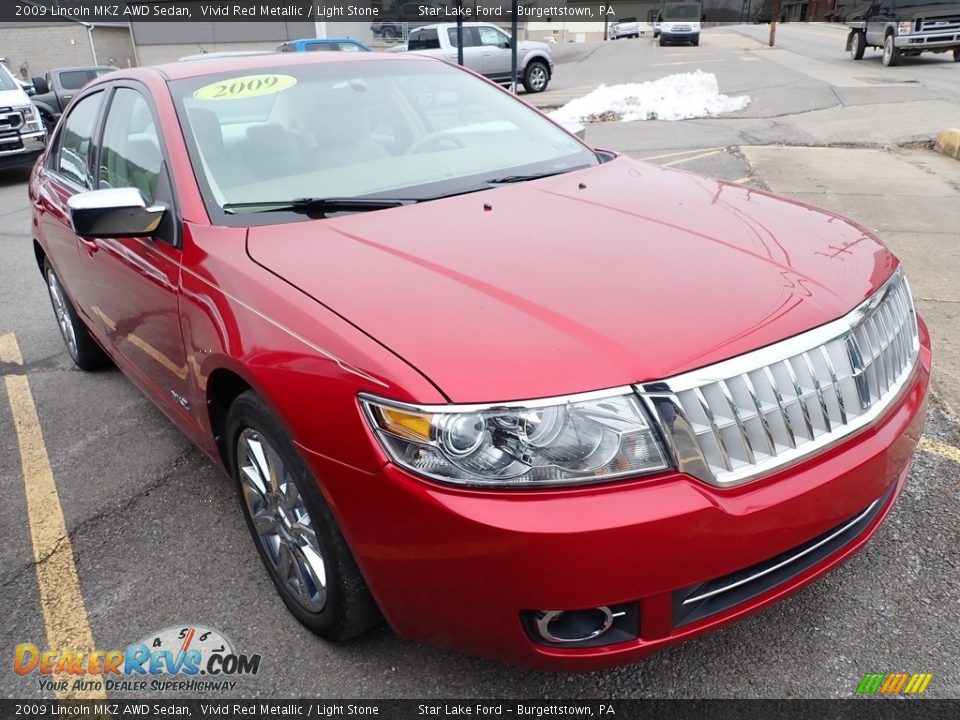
(156, 531)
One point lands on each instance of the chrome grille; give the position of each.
(940, 24)
(734, 421)
(10, 119)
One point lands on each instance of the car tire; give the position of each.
(663, 42)
(696, 41)
(891, 53)
(388, 33)
(858, 44)
(48, 123)
(82, 348)
(536, 77)
(956, 55)
(293, 528)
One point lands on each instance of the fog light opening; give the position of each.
(573, 626)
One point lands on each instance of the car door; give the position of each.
(131, 286)
(67, 171)
(876, 21)
(472, 52)
(496, 53)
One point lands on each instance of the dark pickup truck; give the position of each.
(905, 28)
(54, 90)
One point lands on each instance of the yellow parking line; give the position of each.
(64, 612)
(694, 157)
(938, 448)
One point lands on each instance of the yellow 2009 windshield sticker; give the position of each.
(245, 87)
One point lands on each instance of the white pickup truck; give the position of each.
(22, 135)
(486, 50)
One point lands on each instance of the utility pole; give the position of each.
(774, 16)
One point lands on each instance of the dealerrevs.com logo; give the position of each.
(184, 658)
(900, 683)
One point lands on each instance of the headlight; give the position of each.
(906, 28)
(31, 118)
(562, 441)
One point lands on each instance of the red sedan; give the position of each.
(514, 395)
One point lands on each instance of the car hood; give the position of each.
(14, 98)
(932, 11)
(621, 273)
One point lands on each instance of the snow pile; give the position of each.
(674, 97)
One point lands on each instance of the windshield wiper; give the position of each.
(317, 207)
(532, 176)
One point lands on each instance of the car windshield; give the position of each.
(681, 12)
(409, 129)
(6, 79)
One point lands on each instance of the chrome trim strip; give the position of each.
(836, 383)
(784, 563)
(728, 396)
(705, 406)
(771, 444)
(791, 435)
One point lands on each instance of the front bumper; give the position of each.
(22, 150)
(457, 568)
(941, 41)
(679, 36)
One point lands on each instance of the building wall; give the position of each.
(114, 46)
(44, 47)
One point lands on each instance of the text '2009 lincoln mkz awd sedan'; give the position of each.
(515, 395)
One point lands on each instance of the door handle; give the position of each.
(486, 54)
(90, 245)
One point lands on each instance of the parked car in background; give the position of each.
(906, 28)
(323, 45)
(486, 50)
(628, 27)
(56, 88)
(406, 17)
(516, 395)
(22, 134)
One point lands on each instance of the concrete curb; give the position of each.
(948, 143)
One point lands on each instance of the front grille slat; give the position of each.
(779, 404)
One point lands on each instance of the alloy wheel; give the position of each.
(283, 526)
(59, 300)
(538, 78)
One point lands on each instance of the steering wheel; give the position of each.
(437, 138)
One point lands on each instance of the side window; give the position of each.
(74, 149)
(130, 155)
(130, 150)
(319, 47)
(492, 36)
(348, 47)
(74, 79)
(424, 40)
(470, 38)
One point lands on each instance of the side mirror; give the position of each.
(114, 212)
(40, 85)
(505, 45)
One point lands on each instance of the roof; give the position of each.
(184, 69)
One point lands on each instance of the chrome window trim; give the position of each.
(662, 397)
